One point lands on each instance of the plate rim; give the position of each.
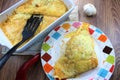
(91, 27)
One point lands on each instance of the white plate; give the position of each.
(53, 46)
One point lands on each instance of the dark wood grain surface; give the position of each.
(107, 19)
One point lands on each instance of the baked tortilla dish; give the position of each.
(50, 9)
(79, 55)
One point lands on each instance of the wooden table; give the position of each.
(107, 19)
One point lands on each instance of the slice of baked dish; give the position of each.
(79, 56)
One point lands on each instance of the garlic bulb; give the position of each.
(89, 9)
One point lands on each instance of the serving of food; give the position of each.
(77, 51)
(79, 55)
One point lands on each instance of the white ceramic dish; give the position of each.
(3, 16)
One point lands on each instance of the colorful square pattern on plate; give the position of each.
(107, 67)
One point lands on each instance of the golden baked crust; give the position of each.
(15, 23)
(46, 7)
(79, 56)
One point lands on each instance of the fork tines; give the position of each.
(36, 20)
(33, 22)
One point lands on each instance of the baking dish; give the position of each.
(3, 16)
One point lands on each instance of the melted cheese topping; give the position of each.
(46, 7)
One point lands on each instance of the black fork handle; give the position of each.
(4, 59)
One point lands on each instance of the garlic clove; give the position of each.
(89, 9)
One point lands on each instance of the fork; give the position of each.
(28, 31)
